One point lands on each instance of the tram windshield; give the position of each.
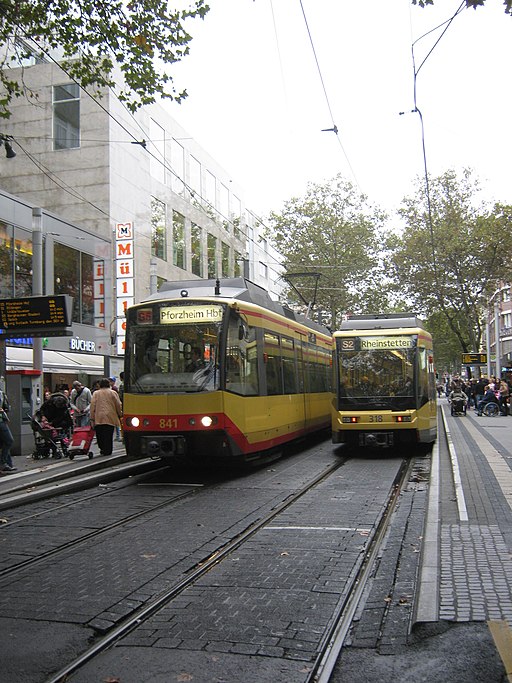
(377, 372)
(180, 355)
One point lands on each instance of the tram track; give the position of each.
(341, 618)
(108, 528)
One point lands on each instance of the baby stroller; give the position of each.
(48, 441)
(52, 425)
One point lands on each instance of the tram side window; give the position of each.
(422, 376)
(272, 358)
(241, 359)
(289, 368)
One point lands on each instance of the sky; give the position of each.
(260, 91)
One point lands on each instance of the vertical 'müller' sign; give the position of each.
(124, 280)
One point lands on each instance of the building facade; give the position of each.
(498, 335)
(139, 183)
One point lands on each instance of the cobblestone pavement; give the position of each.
(465, 591)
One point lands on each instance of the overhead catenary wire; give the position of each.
(334, 127)
(417, 110)
(203, 204)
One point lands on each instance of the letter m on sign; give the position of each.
(124, 231)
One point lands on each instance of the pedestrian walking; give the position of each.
(80, 399)
(114, 388)
(504, 395)
(6, 438)
(105, 414)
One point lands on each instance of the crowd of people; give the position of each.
(476, 393)
(99, 407)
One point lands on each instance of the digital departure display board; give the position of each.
(474, 358)
(36, 316)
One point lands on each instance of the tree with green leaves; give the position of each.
(96, 38)
(332, 231)
(469, 3)
(452, 253)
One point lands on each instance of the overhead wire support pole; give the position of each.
(417, 110)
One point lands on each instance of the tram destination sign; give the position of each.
(474, 359)
(36, 316)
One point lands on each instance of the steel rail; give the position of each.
(341, 621)
(201, 568)
(93, 534)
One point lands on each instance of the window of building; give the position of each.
(178, 239)
(211, 252)
(225, 259)
(66, 116)
(210, 189)
(157, 149)
(195, 175)
(196, 243)
(158, 229)
(178, 167)
(263, 270)
(15, 262)
(224, 205)
(235, 206)
(74, 275)
(238, 266)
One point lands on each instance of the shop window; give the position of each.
(15, 262)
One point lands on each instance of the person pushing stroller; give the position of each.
(51, 425)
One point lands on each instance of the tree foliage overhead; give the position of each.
(469, 3)
(332, 231)
(138, 37)
(452, 263)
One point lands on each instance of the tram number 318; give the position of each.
(375, 418)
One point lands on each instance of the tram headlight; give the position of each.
(208, 421)
(134, 421)
(348, 420)
(403, 418)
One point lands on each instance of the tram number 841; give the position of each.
(169, 423)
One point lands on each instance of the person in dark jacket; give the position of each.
(489, 397)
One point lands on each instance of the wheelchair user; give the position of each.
(458, 399)
(489, 397)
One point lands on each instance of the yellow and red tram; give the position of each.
(217, 369)
(384, 382)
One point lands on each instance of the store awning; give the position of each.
(55, 361)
